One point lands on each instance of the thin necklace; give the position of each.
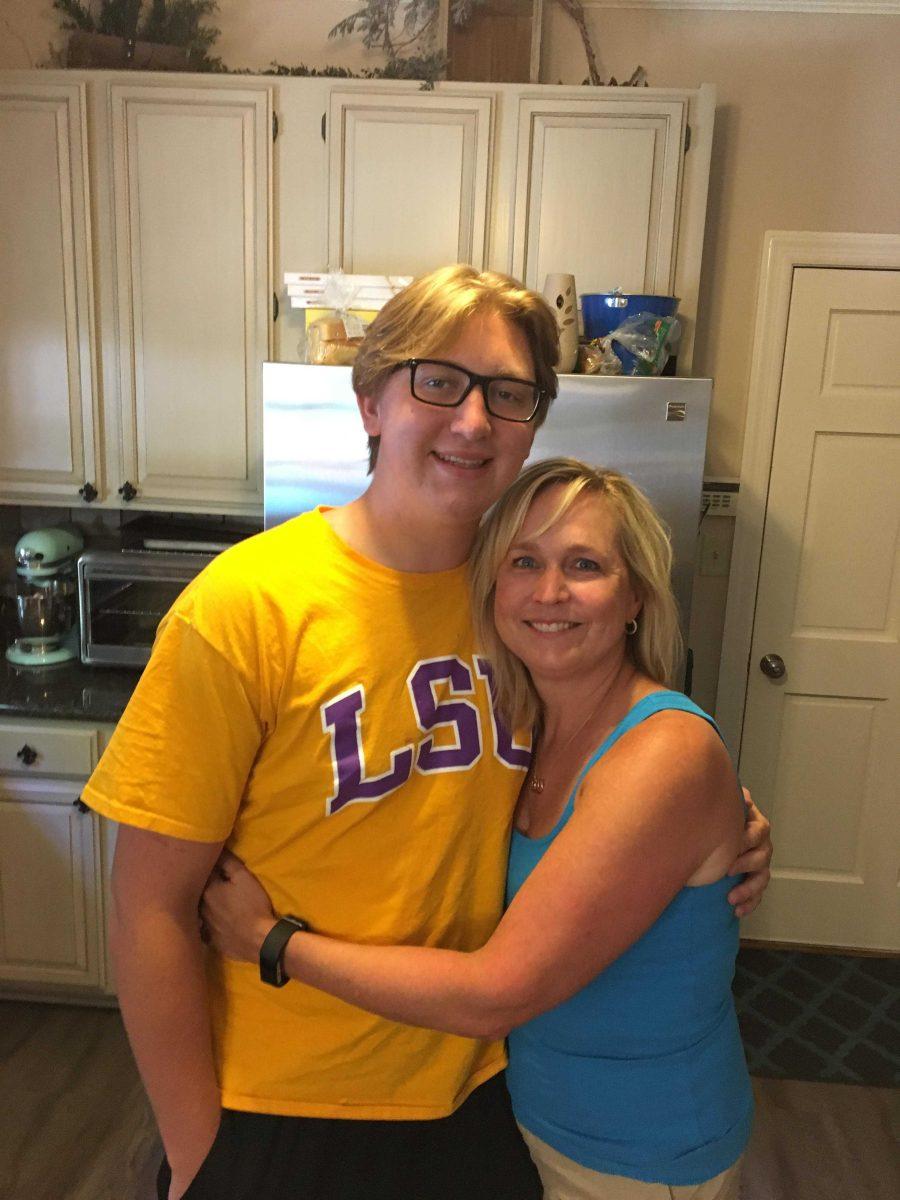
(538, 782)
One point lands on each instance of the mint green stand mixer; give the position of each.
(46, 598)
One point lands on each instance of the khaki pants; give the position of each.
(564, 1179)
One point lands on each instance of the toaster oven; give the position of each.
(123, 596)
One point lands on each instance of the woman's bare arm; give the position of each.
(648, 817)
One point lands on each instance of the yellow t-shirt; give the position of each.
(329, 719)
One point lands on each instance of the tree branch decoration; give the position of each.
(377, 19)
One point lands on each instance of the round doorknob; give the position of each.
(772, 665)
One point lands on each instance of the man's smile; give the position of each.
(457, 460)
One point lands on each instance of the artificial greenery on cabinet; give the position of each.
(177, 23)
(394, 26)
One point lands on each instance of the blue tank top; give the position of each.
(642, 1072)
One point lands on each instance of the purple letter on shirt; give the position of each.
(341, 716)
(507, 751)
(432, 713)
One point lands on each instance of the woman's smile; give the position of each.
(564, 594)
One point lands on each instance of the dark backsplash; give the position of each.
(105, 529)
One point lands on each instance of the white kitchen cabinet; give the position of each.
(597, 186)
(612, 188)
(609, 184)
(135, 273)
(52, 892)
(50, 904)
(191, 171)
(48, 749)
(48, 419)
(135, 291)
(408, 179)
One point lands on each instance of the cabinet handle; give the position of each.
(127, 491)
(27, 754)
(80, 805)
(275, 309)
(88, 493)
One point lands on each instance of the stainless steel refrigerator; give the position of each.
(653, 430)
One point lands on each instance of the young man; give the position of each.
(316, 701)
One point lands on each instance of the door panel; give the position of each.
(599, 188)
(820, 749)
(47, 448)
(824, 602)
(408, 181)
(48, 887)
(191, 175)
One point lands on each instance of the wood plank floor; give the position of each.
(75, 1122)
(76, 1126)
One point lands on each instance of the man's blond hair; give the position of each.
(431, 313)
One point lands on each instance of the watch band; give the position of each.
(271, 952)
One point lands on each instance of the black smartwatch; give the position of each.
(271, 952)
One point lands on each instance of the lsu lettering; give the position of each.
(342, 721)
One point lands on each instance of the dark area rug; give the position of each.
(828, 1018)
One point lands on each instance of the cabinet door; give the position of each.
(408, 181)
(598, 187)
(191, 180)
(49, 930)
(47, 449)
(109, 831)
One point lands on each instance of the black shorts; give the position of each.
(474, 1154)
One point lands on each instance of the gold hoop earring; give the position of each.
(631, 627)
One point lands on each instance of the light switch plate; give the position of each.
(715, 551)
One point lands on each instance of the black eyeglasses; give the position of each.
(446, 385)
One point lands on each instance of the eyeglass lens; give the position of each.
(441, 383)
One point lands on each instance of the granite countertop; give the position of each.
(64, 692)
(69, 691)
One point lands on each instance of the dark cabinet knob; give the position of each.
(28, 754)
(88, 493)
(772, 665)
(127, 491)
(80, 805)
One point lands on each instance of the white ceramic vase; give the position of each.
(559, 292)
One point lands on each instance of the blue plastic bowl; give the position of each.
(605, 311)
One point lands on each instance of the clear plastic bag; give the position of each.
(597, 357)
(334, 339)
(648, 342)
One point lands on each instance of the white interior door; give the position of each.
(820, 747)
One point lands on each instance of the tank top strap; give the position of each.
(648, 706)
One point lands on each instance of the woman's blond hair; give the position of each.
(430, 314)
(643, 541)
